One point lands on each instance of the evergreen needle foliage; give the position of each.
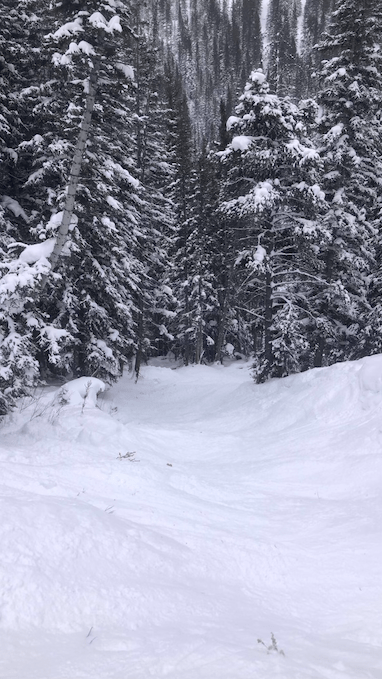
(144, 211)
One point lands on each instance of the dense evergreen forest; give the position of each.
(188, 176)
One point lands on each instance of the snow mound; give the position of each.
(194, 525)
(82, 391)
(370, 374)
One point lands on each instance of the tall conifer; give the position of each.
(350, 98)
(274, 204)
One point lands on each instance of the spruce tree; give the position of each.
(273, 205)
(180, 191)
(154, 171)
(18, 364)
(202, 279)
(350, 98)
(282, 55)
(89, 301)
(315, 21)
(99, 279)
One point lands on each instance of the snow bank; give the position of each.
(370, 374)
(82, 391)
(193, 526)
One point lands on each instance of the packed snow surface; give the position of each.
(195, 526)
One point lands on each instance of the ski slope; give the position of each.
(166, 528)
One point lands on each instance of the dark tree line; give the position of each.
(166, 188)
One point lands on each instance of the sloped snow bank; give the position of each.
(162, 528)
(82, 391)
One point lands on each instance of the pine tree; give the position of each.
(180, 191)
(12, 37)
(89, 301)
(18, 364)
(154, 171)
(315, 20)
(317, 14)
(211, 44)
(99, 280)
(282, 55)
(350, 97)
(202, 301)
(273, 205)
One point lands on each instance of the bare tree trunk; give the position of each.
(139, 352)
(223, 314)
(319, 352)
(187, 343)
(75, 170)
(320, 349)
(199, 330)
(199, 343)
(268, 318)
(222, 328)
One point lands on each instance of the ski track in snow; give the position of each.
(245, 511)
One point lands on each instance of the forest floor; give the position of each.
(195, 526)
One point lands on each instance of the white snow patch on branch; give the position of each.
(21, 275)
(12, 154)
(112, 168)
(113, 202)
(262, 196)
(33, 253)
(304, 153)
(53, 336)
(318, 192)
(108, 223)
(314, 189)
(258, 77)
(86, 48)
(11, 204)
(232, 120)
(259, 254)
(74, 48)
(37, 140)
(241, 143)
(98, 21)
(69, 29)
(101, 344)
(126, 69)
(35, 176)
(335, 131)
(56, 219)
(114, 25)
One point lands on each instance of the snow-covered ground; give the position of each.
(168, 530)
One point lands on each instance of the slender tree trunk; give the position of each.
(199, 330)
(199, 343)
(75, 171)
(319, 353)
(268, 317)
(187, 351)
(140, 329)
(222, 329)
(187, 347)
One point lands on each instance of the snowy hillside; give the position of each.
(168, 530)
